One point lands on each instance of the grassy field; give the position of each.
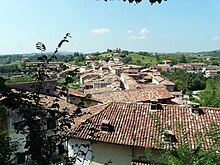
(21, 79)
(143, 60)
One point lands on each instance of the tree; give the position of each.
(211, 95)
(40, 145)
(6, 148)
(126, 60)
(183, 59)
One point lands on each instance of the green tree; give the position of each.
(211, 95)
(126, 60)
(183, 59)
(39, 144)
(6, 148)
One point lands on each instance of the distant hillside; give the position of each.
(210, 53)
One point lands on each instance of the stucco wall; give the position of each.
(104, 152)
(118, 154)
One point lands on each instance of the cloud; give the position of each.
(144, 31)
(142, 37)
(100, 30)
(129, 32)
(215, 38)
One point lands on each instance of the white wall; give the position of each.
(81, 149)
(103, 152)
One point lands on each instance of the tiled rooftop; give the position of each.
(136, 125)
(129, 81)
(97, 90)
(48, 101)
(149, 93)
(159, 78)
(166, 82)
(139, 163)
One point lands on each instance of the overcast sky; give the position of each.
(175, 25)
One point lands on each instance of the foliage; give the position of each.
(70, 80)
(19, 79)
(199, 155)
(126, 60)
(40, 145)
(77, 59)
(9, 68)
(183, 59)
(6, 147)
(186, 82)
(185, 152)
(211, 95)
(140, 58)
(8, 59)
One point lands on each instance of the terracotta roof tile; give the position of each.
(159, 78)
(135, 125)
(166, 82)
(135, 95)
(129, 81)
(139, 163)
(212, 71)
(48, 101)
(97, 90)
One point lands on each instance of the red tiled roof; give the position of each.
(76, 92)
(177, 93)
(32, 63)
(88, 113)
(134, 95)
(166, 82)
(136, 125)
(97, 90)
(167, 61)
(159, 78)
(131, 70)
(198, 64)
(48, 101)
(147, 77)
(71, 91)
(164, 65)
(129, 81)
(139, 163)
(212, 71)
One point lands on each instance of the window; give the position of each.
(61, 149)
(106, 126)
(20, 158)
(155, 107)
(196, 110)
(51, 121)
(164, 101)
(169, 137)
(47, 91)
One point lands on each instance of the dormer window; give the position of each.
(106, 126)
(155, 107)
(169, 137)
(196, 110)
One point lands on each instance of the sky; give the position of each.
(96, 25)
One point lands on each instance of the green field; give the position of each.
(143, 60)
